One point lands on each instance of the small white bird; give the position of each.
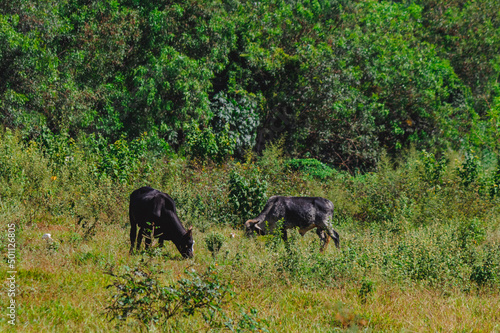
(47, 237)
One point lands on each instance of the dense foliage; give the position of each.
(340, 81)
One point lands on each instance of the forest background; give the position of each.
(391, 109)
(341, 81)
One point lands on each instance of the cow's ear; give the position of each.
(189, 231)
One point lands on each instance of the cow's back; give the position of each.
(304, 211)
(146, 204)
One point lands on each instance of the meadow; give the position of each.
(420, 244)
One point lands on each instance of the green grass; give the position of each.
(418, 252)
(64, 290)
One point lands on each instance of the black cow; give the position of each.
(151, 209)
(306, 213)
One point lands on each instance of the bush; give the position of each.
(470, 232)
(205, 144)
(339, 94)
(310, 167)
(247, 193)
(469, 170)
(141, 296)
(238, 115)
(367, 288)
(214, 242)
(486, 266)
(433, 168)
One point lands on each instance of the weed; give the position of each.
(367, 288)
(416, 230)
(214, 242)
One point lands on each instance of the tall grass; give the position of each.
(420, 239)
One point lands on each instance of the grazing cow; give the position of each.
(151, 209)
(306, 213)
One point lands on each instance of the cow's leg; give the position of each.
(284, 234)
(323, 238)
(139, 238)
(335, 236)
(325, 224)
(160, 241)
(133, 233)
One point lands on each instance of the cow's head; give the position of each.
(252, 226)
(185, 247)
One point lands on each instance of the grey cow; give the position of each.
(306, 213)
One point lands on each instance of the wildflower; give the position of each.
(53, 178)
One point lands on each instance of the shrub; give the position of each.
(204, 144)
(469, 169)
(247, 194)
(141, 296)
(486, 269)
(310, 167)
(214, 242)
(238, 116)
(470, 232)
(495, 181)
(367, 288)
(433, 168)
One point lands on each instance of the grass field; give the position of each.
(62, 287)
(419, 248)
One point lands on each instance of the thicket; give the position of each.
(340, 81)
